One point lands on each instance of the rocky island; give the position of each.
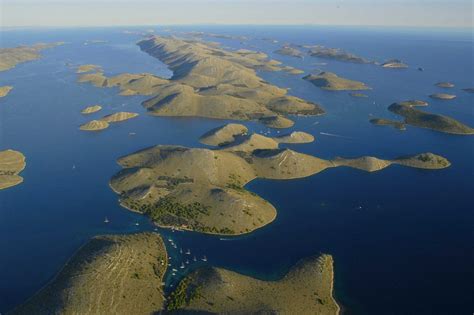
(110, 274)
(94, 125)
(419, 118)
(306, 289)
(211, 82)
(446, 85)
(103, 123)
(336, 54)
(443, 96)
(289, 51)
(330, 81)
(10, 57)
(91, 109)
(11, 164)
(394, 64)
(203, 190)
(4, 90)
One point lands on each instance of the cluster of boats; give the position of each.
(184, 262)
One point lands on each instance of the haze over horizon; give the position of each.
(416, 13)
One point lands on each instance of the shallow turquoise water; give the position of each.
(411, 240)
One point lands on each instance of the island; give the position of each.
(11, 164)
(103, 123)
(211, 82)
(124, 274)
(118, 117)
(443, 96)
(88, 68)
(307, 288)
(91, 109)
(394, 64)
(419, 118)
(336, 54)
(10, 57)
(446, 85)
(388, 122)
(289, 51)
(330, 81)
(110, 274)
(94, 125)
(203, 190)
(4, 90)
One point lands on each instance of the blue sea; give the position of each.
(402, 239)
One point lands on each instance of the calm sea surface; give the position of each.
(402, 239)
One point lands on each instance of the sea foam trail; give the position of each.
(334, 135)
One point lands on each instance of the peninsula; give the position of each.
(11, 164)
(203, 190)
(4, 90)
(388, 122)
(306, 289)
(10, 57)
(330, 81)
(110, 274)
(87, 68)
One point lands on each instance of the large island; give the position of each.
(204, 189)
(209, 81)
(123, 274)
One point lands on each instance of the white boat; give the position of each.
(106, 220)
(188, 252)
(194, 258)
(204, 258)
(136, 223)
(175, 269)
(182, 266)
(180, 250)
(187, 262)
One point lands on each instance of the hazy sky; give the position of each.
(444, 13)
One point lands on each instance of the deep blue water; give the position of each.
(409, 250)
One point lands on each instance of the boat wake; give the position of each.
(334, 135)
